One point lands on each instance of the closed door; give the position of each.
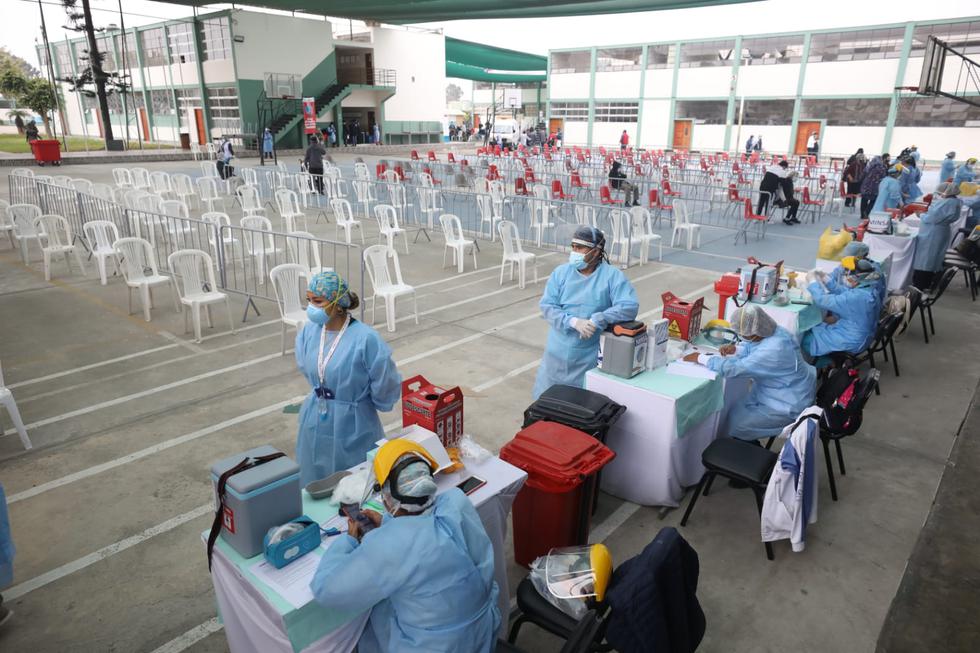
(682, 134)
(555, 125)
(202, 137)
(803, 130)
(145, 124)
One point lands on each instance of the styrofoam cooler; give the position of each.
(256, 499)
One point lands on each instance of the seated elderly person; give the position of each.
(783, 383)
(851, 307)
(425, 572)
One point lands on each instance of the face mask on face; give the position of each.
(577, 260)
(316, 315)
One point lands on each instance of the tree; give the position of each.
(40, 97)
(12, 82)
(11, 60)
(453, 93)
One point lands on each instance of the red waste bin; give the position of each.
(553, 508)
(46, 151)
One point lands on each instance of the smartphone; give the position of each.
(353, 511)
(471, 485)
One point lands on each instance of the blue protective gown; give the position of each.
(606, 297)
(427, 580)
(947, 169)
(910, 184)
(783, 384)
(973, 217)
(6, 544)
(363, 379)
(889, 194)
(857, 315)
(267, 142)
(880, 285)
(933, 238)
(963, 173)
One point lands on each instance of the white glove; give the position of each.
(816, 276)
(585, 328)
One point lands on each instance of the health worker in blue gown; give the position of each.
(783, 383)
(851, 307)
(581, 299)
(6, 555)
(934, 235)
(890, 190)
(425, 570)
(350, 369)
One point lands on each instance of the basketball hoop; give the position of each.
(906, 97)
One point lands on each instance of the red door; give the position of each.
(682, 134)
(199, 119)
(145, 125)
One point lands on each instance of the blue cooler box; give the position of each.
(257, 498)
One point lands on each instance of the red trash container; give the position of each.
(553, 508)
(46, 151)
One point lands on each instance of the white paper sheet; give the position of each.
(693, 370)
(292, 582)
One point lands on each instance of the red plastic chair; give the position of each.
(450, 157)
(577, 184)
(427, 170)
(529, 176)
(520, 188)
(492, 172)
(605, 197)
(748, 219)
(400, 172)
(667, 191)
(557, 192)
(842, 189)
(415, 155)
(379, 170)
(814, 206)
(822, 182)
(432, 156)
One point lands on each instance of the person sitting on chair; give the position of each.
(777, 184)
(617, 180)
(852, 310)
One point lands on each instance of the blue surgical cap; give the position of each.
(588, 236)
(857, 249)
(330, 285)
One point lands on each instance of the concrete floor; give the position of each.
(126, 417)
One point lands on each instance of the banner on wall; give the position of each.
(309, 115)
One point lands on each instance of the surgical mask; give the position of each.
(316, 315)
(577, 260)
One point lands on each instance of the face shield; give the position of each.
(579, 572)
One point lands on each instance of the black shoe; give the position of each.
(794, 220)
(788, 222)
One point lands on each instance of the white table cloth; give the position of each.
(902, 251)
(257, 620)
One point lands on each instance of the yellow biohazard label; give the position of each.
(674, 330)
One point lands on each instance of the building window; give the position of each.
(570, 111)
(216, 39)
(937, 112)
(114, 100)
(963, 37)
(615, 59)
(702, 112)
(223, 105)
(767, 112)
(847, 112)
(188, 99)
(660, 56)
(109, 54)
(571, 62)
(772, 50)
(857, 46)
(162, 102)
(710, 53)
(42, 58)
(62, 59)
(181, 37)
(616, 111)
(126, 45)
(154, 47)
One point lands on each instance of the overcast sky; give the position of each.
(21, 23)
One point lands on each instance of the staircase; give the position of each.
(326, 99)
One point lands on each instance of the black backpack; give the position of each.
(969, 247)
(843, 395)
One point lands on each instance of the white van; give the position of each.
(508, 130)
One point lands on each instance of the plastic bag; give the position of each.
(353, 488)
(574, 608)
(832, 244)
(470, 450)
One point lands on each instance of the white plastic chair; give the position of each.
(541, 212)
(22, 218)
(306, 189)
(481, 185)
(683, 225)
(161, 184)
(362, 190)
(196, 287)
(452, 231)
(212, 151)
(248, 197)
(333, 184)
(101, 234)
(429, 204)
(196, 151)
(58, 240)
(207, 188)
(288, 207)
(6, 225)
(643, 233)
(184, 189)
(218, 220)
(23, 172)
(7, 400)
(259, 246)
(141, 178)
(389, 176)
(344, 216)
(303, 249)
(131, 199)
(376, 260)
(388, 226)
(399, 199)
(150, 203)
(81, 185)
(585, 215)
(62, 180)
(122, 177)
(138, 264)
(251, 178)
(514, 254)
(287, 280)
(487, 217)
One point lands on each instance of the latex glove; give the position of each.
(815, 276)
(727, 350)
(585, 328)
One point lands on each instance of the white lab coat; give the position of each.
(791, 497)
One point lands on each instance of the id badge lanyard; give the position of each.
(323, 393)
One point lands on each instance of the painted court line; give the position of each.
(191, 637)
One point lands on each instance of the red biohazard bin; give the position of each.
(46, 151)
(553, 508)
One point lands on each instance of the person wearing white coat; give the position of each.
(791, 497)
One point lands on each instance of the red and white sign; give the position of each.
(309, 115)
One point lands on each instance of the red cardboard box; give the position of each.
(434, 408)
(684, 317)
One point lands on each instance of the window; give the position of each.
(660, 56)
(223, 105)
(42, 56)
(114, 100)
(127, 50)
(154, 47)
(849, 112)
(613, 59)
(570, 111)
(702, 112)
(616, 111)
(710, 53)
(772, 50)
(162, 102)
(108, 53)
(937, 112)
(964, 37)
(181, 37)
(187, 99)
(767, 112)
(571, 62)
(216, 39)
(62, 59)
(857, 46)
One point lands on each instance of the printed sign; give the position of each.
(309, 115)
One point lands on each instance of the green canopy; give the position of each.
(423, 11)
(477, 74)
(488, 56)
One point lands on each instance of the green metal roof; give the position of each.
(423, 11)
(475, 73)
(488, 56)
